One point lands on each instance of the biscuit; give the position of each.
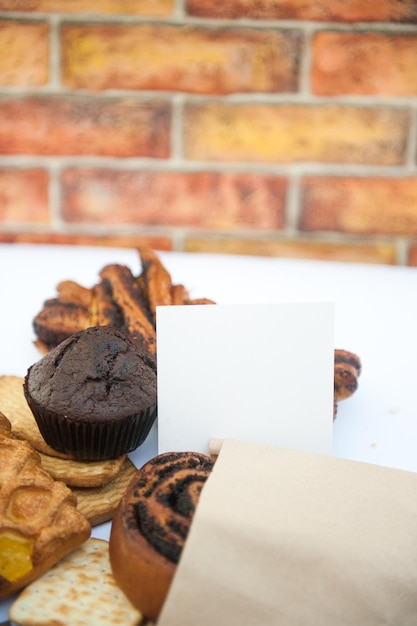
(82, 473)
(14, 406)
(99, 504)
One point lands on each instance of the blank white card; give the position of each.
(261, 373)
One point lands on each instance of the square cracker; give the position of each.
(79, 590)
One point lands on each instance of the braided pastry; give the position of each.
(151, 524)
(120, 299)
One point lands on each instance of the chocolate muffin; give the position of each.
(94, 396)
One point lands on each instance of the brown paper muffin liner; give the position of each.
(93, 441)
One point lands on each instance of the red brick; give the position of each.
(70, 126)
(326, 10)
(367, 206)
(71, 239)
(364, 63)
(194, 200)
(126, 7)
(295, 249)
(24, 59)
(179, 58)
(24, 196)
(290, 133)
(412, 257)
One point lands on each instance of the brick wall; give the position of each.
(248, 126)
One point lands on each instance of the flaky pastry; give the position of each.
(39, 521)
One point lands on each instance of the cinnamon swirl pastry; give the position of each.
(151, 524)
(347, 369)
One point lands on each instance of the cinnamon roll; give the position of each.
(151, 524)
(347, 369)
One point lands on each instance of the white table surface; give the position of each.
(375, 317)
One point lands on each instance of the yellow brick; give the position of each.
(122, 7)
(290, 133)
(364, 252)
(179, 58)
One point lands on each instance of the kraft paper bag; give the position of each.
(296, 538)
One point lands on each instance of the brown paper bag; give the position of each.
(294, 539)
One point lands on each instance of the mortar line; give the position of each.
(293, 207)
(55, 196)
(411, 157)
(54, 54)
(179, 15)
(177, 121)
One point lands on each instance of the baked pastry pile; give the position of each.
(49, 500)
(120, 299)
